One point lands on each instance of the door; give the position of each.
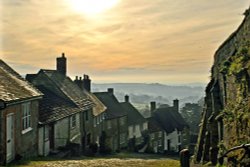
(52, 136)
(169, 144)
(10, 138)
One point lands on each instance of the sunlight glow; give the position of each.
(92, 7)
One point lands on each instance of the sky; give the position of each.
(148, 41)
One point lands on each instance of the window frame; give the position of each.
(109, 124)
(160, 134)
(94, 121)
(26, 117)
(122, 121)
(87, 115)
(73, 121)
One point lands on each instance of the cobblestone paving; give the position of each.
(112, 162)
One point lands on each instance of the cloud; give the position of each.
(161, 37)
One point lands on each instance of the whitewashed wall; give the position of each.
(174, 143)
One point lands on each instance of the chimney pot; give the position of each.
(111, 90)
(152, 106)
(86, 83)
(176, 105)
(127, 98)
(76, 78)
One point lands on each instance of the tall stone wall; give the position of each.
(226, 117)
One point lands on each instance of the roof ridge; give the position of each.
(61, 90)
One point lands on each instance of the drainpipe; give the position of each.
(2, 107)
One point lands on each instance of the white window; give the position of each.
(87, 115)
(155, 143)
(152, 136)
(26, 117)
(159, 143)
(122, 120)
(97, 118)
(160, 134)
(141, 127)
(109, 124)
(134, 129)
(73, 121)
(94, 122)
(103, 116)
(122, 138)
(100, 118)
(145, 126)
(46, 133)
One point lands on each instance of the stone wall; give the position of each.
(226, 117)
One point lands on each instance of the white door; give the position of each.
(10, 138)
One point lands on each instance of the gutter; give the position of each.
(18, 101)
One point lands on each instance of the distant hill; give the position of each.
(142, 93)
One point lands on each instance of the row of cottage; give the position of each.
(48, 112)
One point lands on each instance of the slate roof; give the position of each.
(13, 87)
(134, 116)
(53, 107)
(114, 108)
(68, 88)
(169, 119)
(153, 125)
(99, 107)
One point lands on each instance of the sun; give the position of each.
(92, 7)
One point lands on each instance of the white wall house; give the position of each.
(172, 141)
(168, 120)
(59, 133)
(136, 122)
(136, 130)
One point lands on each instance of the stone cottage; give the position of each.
(115, 120)
(94, 123)
(19, 103)
(137, 124)
(168, 127)
(63, 111)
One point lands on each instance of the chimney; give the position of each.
(152, 106)
(61, 64)
(78, 82)
(86, 83)
(126, 98)
(176, 105)
(111, 90)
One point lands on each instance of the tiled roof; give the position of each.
(153, 125)
(169, 119)
(99, 107)
(134, 116)
(69, 88)
(53, 107)
(114, 108)
(13, 87)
